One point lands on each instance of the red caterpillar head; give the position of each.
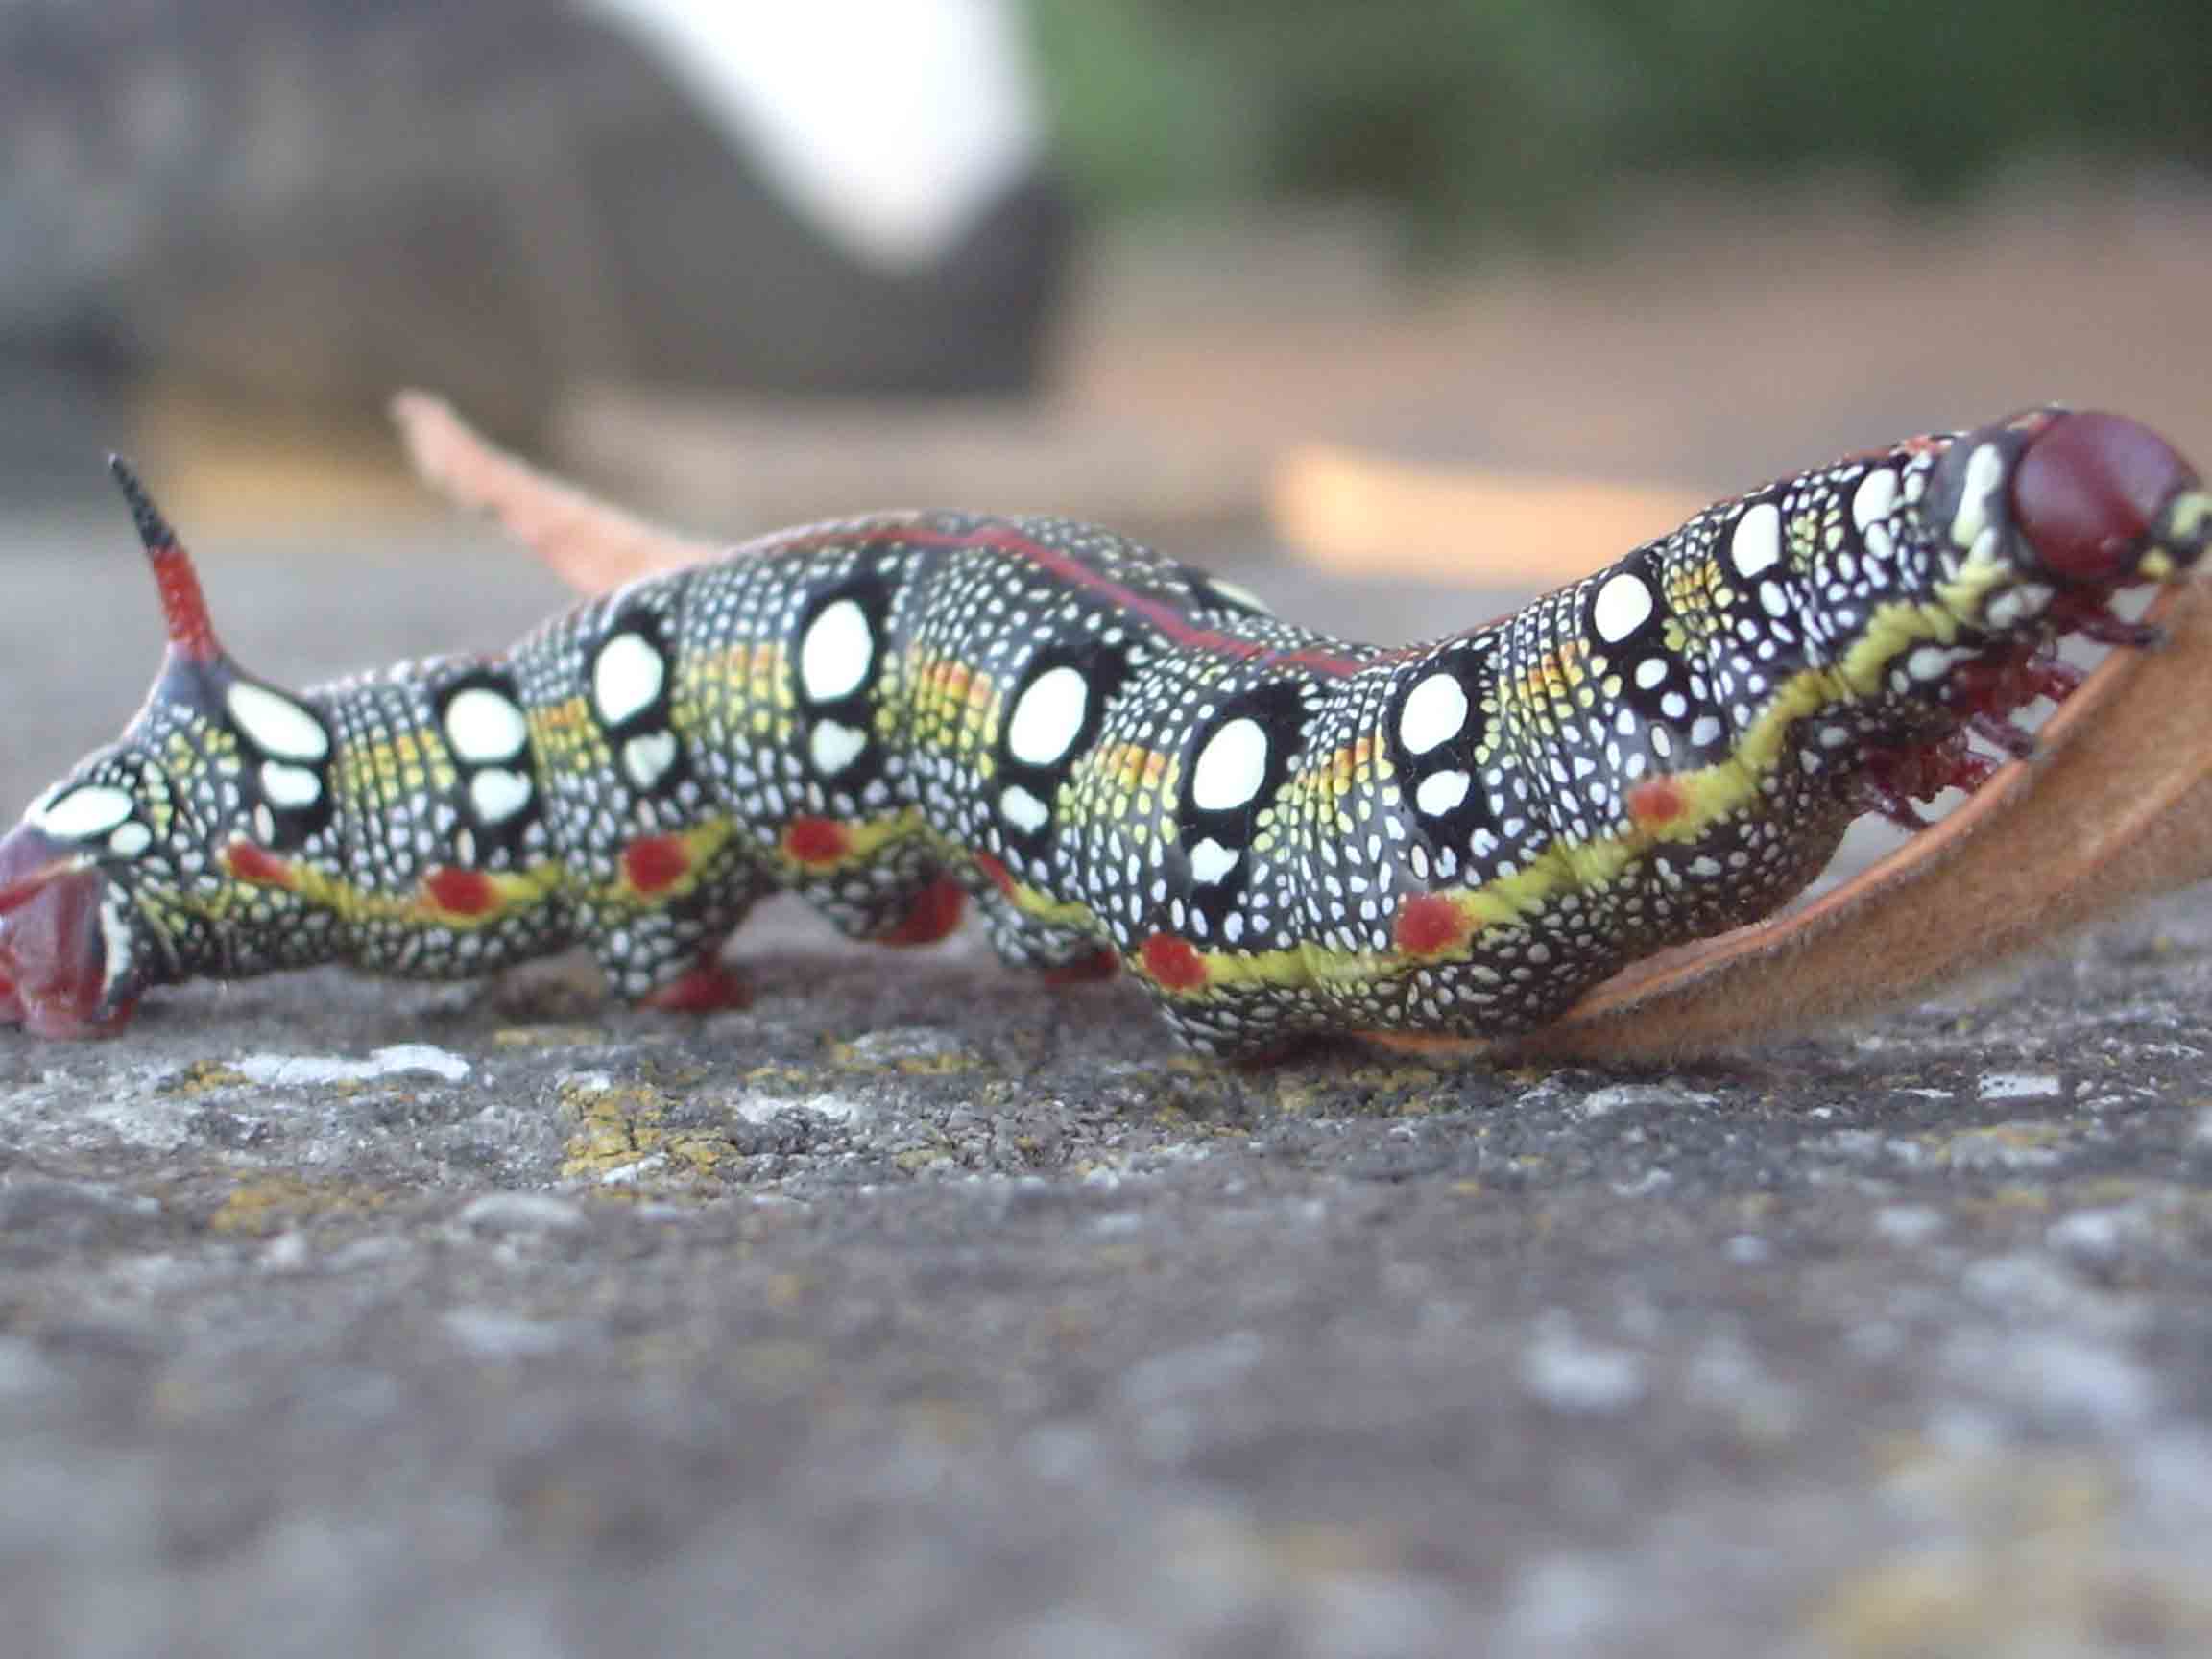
(2091, 491)
(78, 943)
(2097, 501)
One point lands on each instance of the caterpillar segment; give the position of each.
(1116, 759)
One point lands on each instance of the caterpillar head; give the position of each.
(2097, 501)
(93, 879)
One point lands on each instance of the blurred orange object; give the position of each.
(1350, 510)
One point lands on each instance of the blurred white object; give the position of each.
(891, 125)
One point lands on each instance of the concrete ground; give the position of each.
(920, 1310)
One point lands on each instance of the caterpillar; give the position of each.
(1117, 760)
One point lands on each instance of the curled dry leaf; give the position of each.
(590, 545)
(2114, 805)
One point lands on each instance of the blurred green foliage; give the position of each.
(1524, 115)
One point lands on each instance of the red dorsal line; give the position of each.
(1076, 574)
(183, 607)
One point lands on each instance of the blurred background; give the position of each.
(1176, 264)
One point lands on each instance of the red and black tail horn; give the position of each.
(184, 606)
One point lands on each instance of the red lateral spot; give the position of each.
(996, 873)
(1100, 964)
(1657, 801)
(461, 892)
(655, 863)
(816, 840)
(258, 865)
(936, 911)
(1173, 962)
(706, 987)
(1428, 922)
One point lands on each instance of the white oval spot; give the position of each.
(1022, 810)
(1649, 672)
(482, 726)
(1433, 713)
(626, 678)
(833, 746)
(1773, 600)
(83, 813)
(1756, 546)
(1623, 605)
(1441, 792)
(647, 758)
(290, 787)
(1210, 861)
(130, 840)
(1231, 767)
(1875, 496)
(1984, 468)
(275, 724)
(1928, 662)
(836, 654)
(1048, 716)
(1237, 593)
(498, 793)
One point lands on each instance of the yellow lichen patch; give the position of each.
(548, 1036)
(943, 1063)
(622, 1134)
(273, 1203)
(203, 1076)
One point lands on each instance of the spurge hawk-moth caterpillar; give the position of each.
(1116, 758)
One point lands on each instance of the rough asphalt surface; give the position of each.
(918, 1310)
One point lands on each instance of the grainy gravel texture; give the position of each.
(918, 1310)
